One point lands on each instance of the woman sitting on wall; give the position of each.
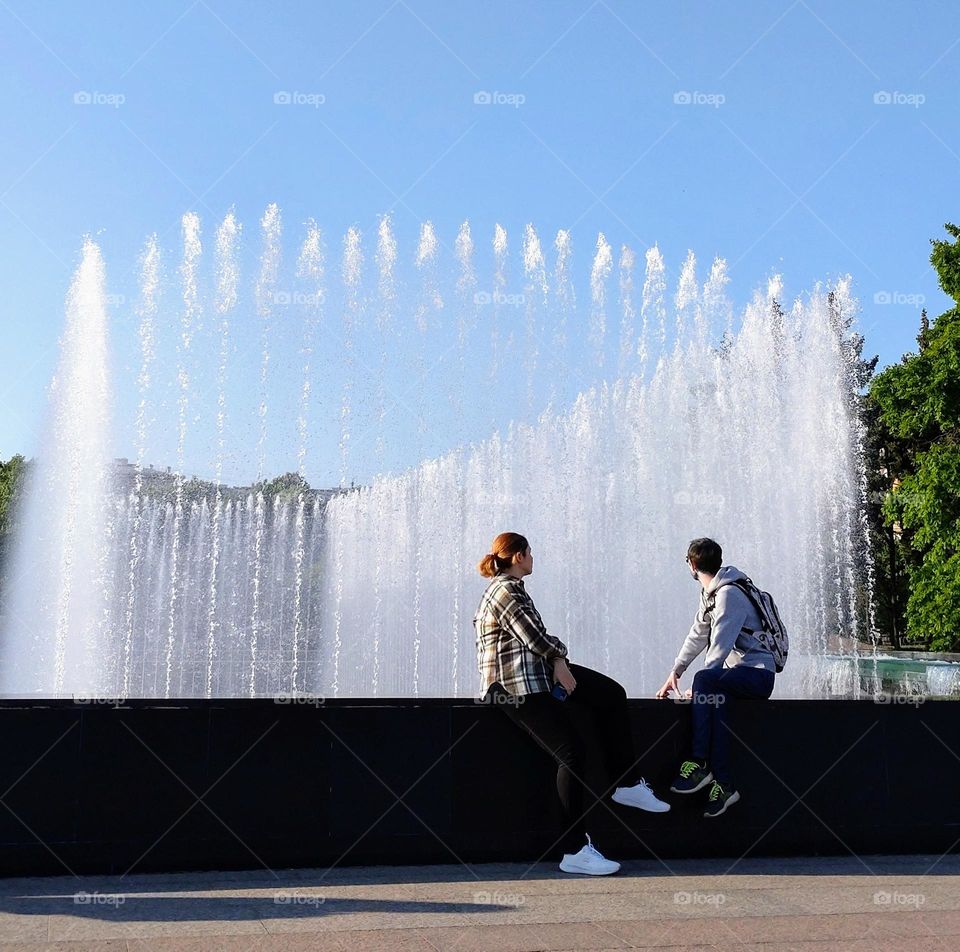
(525, 671)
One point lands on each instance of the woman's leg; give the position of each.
(543, 718)
(608, 700)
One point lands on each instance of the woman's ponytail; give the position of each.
(505, 547)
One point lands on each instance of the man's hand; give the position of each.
(563, 675)
(671, 684)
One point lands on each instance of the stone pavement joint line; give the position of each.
(835, 904)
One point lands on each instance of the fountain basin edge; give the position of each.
(180, 785)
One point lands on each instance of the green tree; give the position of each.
(287, 486)
(11, 480)
(918, 404)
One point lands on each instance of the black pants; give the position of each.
(553, 725)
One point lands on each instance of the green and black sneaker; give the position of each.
(693, 777)
(719, 799)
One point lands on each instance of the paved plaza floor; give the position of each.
(867, 904)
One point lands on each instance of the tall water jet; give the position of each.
(430, 302)
(687, 301)
(564, 298)
(628, 343)
(652, 309)
(386, 284)
(147, 310)
(535, 298)
(266, 299)
(310, 270)
(499, 295)
(189, 315)
(57, 593)
(228, 277)
(602, 266)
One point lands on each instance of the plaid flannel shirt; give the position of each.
(513, 646)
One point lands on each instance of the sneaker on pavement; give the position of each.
(694, 776)
(589, 861)
(641, 796)
(720, 799)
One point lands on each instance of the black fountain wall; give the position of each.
(145, 786)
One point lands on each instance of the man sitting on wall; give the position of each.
(740, 663)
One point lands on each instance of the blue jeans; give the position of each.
(713, 689)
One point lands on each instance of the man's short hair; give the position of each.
(705, 555)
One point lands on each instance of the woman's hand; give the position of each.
(671, 684)
(563, 675)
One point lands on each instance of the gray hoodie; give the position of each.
(723, 628)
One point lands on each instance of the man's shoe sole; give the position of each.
(700, 786)
(663, 808)
(587, 872)
(730, 801)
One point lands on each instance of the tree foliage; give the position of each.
(918, 410)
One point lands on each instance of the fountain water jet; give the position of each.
(169, 586)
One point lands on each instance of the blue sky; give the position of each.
(820, 138)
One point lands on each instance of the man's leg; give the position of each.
(705, 706)
(731, 683)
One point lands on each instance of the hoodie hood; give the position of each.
(727, 574)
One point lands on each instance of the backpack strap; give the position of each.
(745, 585)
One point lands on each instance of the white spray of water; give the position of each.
(191, 308)
(265, 297)
(147, 311)
(627, 453)
(351, 269)
(228, 279)
(628, 316)
(687, 299)
(565, 302)
(717, 308)
(652, 309)
(602, 266)
(310, 269)
(535, 299)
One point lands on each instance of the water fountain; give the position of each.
(443, 394)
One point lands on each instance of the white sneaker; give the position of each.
(641, 796)
(589, 861)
